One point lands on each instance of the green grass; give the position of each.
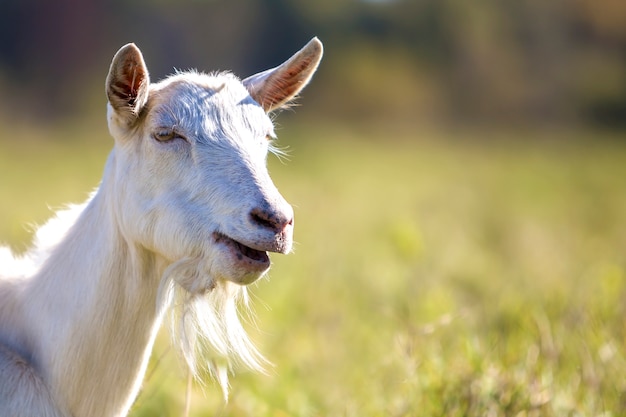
(432, 276)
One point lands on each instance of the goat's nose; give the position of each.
(275, 220)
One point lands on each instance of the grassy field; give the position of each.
(434, 274)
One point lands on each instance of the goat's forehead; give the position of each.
(200, 101)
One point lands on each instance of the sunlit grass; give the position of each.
(42, 170)
(432, 275)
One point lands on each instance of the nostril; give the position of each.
(262, 218)
(270, 220)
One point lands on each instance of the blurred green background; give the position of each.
(433, 61)
(458, 171)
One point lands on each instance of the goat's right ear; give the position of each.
(127, 83)
(275, 87)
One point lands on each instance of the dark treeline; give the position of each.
(489, 61)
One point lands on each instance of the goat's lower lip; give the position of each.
(243, 253)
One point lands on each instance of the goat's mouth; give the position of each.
(250, 258)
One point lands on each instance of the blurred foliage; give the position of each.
(427, 61)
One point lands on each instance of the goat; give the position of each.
(182, 221)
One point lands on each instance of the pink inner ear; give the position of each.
(284, 85)
(276, 87)
(130, 82)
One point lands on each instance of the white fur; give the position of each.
(80, 311)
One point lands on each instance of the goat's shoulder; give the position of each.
(22, 391)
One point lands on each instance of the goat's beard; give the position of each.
(204, 322)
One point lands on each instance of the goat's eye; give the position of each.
(166, 135)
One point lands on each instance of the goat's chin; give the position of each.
(246, 279)
(237, 262)
(199, 275)
(242, 270)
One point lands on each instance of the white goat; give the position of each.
(184, 217)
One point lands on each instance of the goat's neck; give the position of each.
(94, 314)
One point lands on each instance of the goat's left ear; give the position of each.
(275, 87)
(127, 83)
